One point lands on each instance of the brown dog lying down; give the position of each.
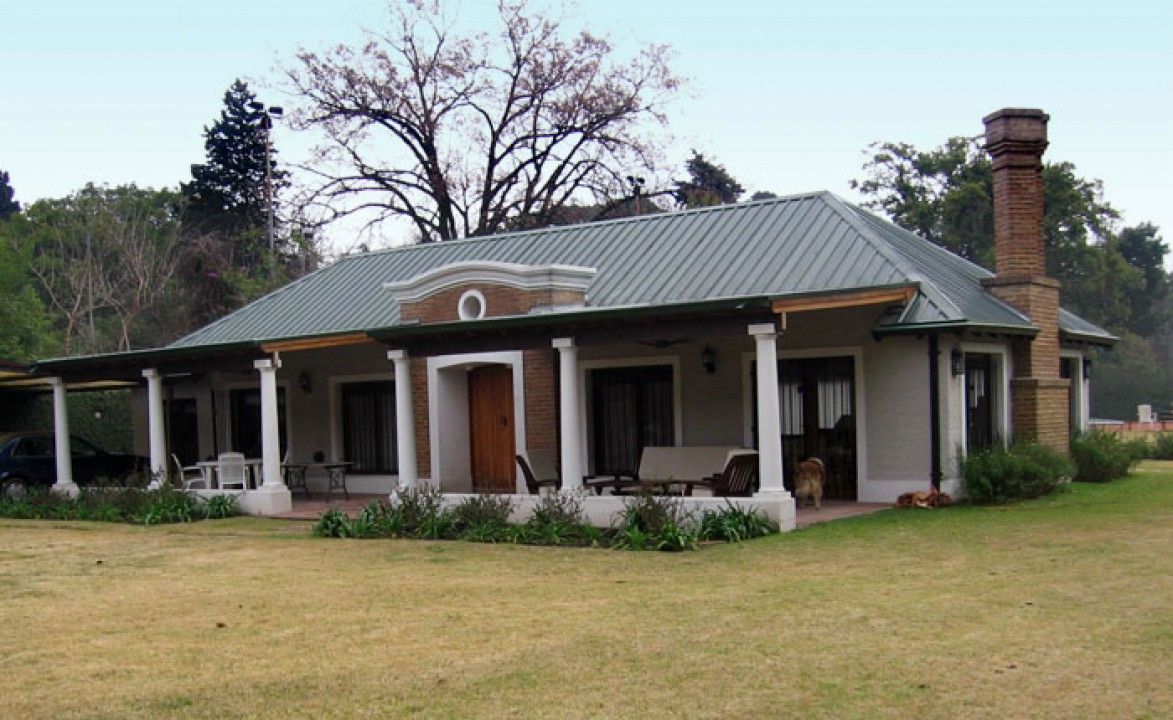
(932, 499)
(809, 476)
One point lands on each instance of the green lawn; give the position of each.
(1061, 607)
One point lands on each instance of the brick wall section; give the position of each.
(419, 408)
(541, 400)
(499, 300)
(1016, 139)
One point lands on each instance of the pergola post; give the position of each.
(770, 465)
(568, 416)
(404, 419)
(155, 425)
(64, 485)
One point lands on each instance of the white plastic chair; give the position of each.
(231, 471)
(191, 476)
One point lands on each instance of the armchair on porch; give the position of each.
(190, 476)
(738, 477)
(232, 471)
(538, 469)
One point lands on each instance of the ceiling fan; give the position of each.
(662, 344)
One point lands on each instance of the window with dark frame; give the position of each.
(632, 408)
(368, 427)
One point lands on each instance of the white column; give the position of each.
(404, 419)
(64, 484)
(155, 426)
(769, 416)
(270, 430)
(568, 417)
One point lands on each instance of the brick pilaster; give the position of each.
(541, 400)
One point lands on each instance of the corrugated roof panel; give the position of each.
(796, 244)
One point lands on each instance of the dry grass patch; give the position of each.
(1059, 607)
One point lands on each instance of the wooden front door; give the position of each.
(490, 416)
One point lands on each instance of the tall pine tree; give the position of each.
(708, 183)
(227, 194)
(8, 206)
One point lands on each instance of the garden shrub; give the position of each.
(1101, 456)
(656, 523)
(217, 507)
(482, 518)
(558, 519)
(420, 512)
(333, 523)
(734, 524)
(1019, 472)
(1162, 447)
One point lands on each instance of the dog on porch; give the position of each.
(809, 476)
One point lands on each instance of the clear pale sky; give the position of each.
(785, 95)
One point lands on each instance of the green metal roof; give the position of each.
(786, 246)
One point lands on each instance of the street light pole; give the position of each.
(267, 116)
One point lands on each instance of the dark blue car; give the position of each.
(29, 459)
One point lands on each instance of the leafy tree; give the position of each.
(1141, 247)
(946, 196)
(26, 329)
(228, 194)
(708, 184)
(463, 134)
(763, 195)
(1116, 279)
(104, 257)
(8, 205)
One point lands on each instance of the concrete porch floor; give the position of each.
(836, 510)
(310, 508)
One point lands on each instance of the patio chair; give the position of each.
(232, 471)
(738, 477)
(539, 471)
(189, 476)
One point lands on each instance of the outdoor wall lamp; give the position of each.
(1087, 369)
(709, 360)
(957, 362)
(306, 382)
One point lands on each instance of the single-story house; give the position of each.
(798, 326)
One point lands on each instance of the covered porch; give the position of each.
(451, 404)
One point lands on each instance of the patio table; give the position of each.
(252, 466)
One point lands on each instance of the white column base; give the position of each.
(267, 500)
(68, 489)
(780, 507)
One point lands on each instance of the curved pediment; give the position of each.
(479, 272)
(478, 289)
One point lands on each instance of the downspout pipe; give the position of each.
(935, 410)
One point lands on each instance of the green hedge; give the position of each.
(1101, 456)
(1019, 472)
(128, 505)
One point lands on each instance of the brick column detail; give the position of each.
(419, 402)
(541, 400)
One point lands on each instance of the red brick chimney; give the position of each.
(1016, 139)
